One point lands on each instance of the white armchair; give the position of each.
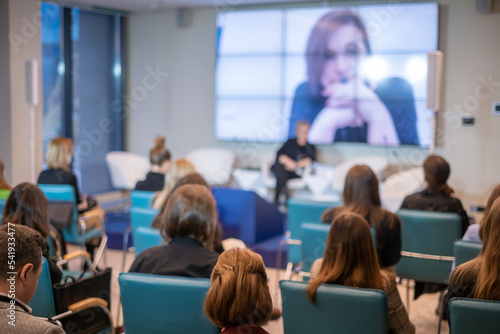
(213, 163)
(126, 169)
(397, 186)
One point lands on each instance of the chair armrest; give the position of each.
(87, 303)
(75, 255)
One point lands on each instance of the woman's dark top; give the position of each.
(296, 152)
(387, 235)
(432, 199)
(153, 182)
(182, 256)
(59, 176)
(395, 93)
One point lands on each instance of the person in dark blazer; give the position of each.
(18, 281)
(188, 225)
(159, 156)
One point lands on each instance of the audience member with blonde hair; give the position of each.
(159, 157)
(238, 300)
(361, 196)
(480, 278)
(188, 225)
(350, 259)
(5, 188)
(179, 169)
(58, 159)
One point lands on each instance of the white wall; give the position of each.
(182, 106)
(20, 20)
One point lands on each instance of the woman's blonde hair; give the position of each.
(239, 294)
(484, 270)
(59, 153)
(350, 257)
(179, 169)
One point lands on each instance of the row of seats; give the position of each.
(347, 309)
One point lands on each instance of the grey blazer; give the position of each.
(25, 323)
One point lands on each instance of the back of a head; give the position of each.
(159, 153)
(436, 173)
(495, 193)
(27, 205)
(239, 294)
(59, 153)
(29, 246)
(179, 169)
(350, 257)
(189, 212)
(3, 182)
(361, 189)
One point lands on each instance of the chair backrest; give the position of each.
(142, 199)
(338, 309)
(427, 239)
(145, 237)
(61, 193)
(142, 217)
(159, 304)
(2, 206)
(474, 316)
(303, 211)
(465, 251)
(126, 168)
(42, 302)
(215, 164)
(314, 236)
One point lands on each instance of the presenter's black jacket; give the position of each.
(296, 152)
(182, 256)
(435, 200)
(153, 182)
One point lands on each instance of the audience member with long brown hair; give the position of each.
(180, 168)
(475, 232)
(27, 205)
(350, 259)
(238, 300)
(361, 196)
(436, 197)
(480, 278)
(5, 187)
(159, 157)
(188, 225)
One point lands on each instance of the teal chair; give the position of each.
(313, 237)
(427, 239)
(465, 251)
(66, 193)
(145, 237)
(142, 199)
(164, 304)
(140, 217)
(300, 211)
(338, 309)
(76, 318)
(2, 205)
(474, 316)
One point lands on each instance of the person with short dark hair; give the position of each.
(361, 196)
(159, 157)
(188, 225)
(238, 300)
(19, 279)
(350, 259)
(27, 205)
(292, 158)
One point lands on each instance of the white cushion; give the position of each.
(213, 163)
(126, 169)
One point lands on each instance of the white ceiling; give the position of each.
(155, 5)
